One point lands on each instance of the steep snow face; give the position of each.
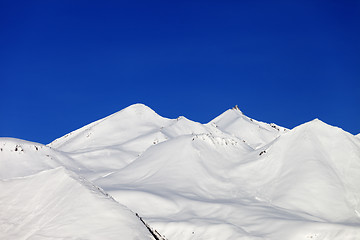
(121, 128)
(132, 129)
(57, 204)
(254, 133)
(119, 138)
(123, 136)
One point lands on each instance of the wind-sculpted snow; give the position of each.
(253, 132)
(191, 164)
(285, 190)
(20, 158)
(233, 178)
(318, 168)
(57, 204)
(119, 128)
(311, 169)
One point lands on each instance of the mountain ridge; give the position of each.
(59, 207)
(233, 175)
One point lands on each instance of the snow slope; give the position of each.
(317, 166)
(124, 136)
(232, 178)
(200, 186)
(57, 204)
(253, 132)
(40, 199)
(121, 128)
(22, 158)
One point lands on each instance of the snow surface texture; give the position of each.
(232, 178)
(56, 204)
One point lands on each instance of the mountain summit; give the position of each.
(137, 175)
(253, 132)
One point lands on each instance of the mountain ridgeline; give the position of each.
(137, 175)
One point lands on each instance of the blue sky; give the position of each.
(65, 64)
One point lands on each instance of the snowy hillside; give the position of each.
(232, 178)
(56, 204)
(253, 132)
(22, 158)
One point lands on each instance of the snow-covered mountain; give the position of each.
(253, 132)
(232, 178)
(57, 204)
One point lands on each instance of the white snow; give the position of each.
(253, 132)
(232, 178)
(57, 204)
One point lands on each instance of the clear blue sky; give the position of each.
(64, 64)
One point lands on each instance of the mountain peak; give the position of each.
(237, 108)
(117, 128)
(138, 108)
(318, 127)
(315, 123)
(136, 112)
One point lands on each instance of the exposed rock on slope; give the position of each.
(253, 132)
